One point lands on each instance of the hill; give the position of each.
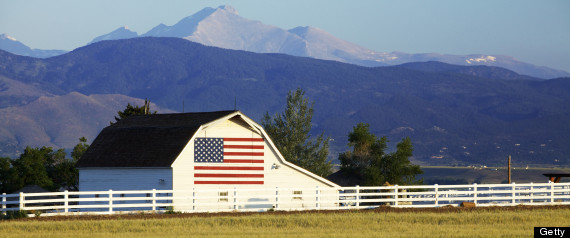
(454, 114)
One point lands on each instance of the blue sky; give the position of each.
(537, 32)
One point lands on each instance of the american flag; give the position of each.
(228, 161)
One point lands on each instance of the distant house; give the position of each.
(186, 151)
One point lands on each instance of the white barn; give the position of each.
(188, 151)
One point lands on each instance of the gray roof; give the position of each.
(145, 140)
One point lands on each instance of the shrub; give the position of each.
(16, 214)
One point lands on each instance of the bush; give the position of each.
(170, 210)
(16, 214)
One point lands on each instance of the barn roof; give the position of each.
(145, 140)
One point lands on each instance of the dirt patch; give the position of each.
(381, 209)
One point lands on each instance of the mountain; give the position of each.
(59, 121)
(453, 114)
(223, 27)
(118, 34)
(502, 61)
(479, 71)
(14, 46)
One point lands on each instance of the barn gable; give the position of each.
(258, 153)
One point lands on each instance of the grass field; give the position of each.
(389, 222)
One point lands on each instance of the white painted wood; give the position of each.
(210, 199)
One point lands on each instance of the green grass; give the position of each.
(456, 223)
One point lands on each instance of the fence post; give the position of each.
(3, 204)
(396, 195)
(154, 200)
(65, 202)
(194, 199)
(551, 192)
(513, 194)
(110, 201)
(357, 197)
(436, 194)
(235, 199)
(475, 193)
(276, 197)
(531, 193)
(22, 199)
(317, 198)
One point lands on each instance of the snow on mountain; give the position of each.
(223, 27)
(120, 33)
(485, 59)
(10, 44)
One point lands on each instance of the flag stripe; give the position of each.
(226, 168)
(251, 161)
(252, 147)
(228, 182)
(244, 139)
(243, 153)
(229, 175)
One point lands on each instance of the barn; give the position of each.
(188, 151)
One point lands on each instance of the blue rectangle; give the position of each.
(209, 150)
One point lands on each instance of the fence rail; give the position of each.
(263, 199)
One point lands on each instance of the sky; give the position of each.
(536, 32)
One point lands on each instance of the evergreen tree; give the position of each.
(371, 165)
(134, 110)
(290, 133)
(9, 179)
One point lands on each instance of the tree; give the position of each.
(290, 133)
(134, 110)
(371, 165)
(66, 175)
(31, 166)
(79, 149)
(9, 179)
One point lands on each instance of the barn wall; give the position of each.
(276, 174)
(102, 179)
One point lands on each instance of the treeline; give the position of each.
(42, 166)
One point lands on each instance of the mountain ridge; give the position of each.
(223, 27)
(465, 116)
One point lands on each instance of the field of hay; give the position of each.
(389, 222)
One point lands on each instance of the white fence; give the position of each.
(238, 199)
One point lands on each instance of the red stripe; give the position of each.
(228, 182)
(226, 168)
(243, 139)
(254, 161)
(243, 153)
(243, 147)
(229, 175)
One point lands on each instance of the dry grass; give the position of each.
(388, 223)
